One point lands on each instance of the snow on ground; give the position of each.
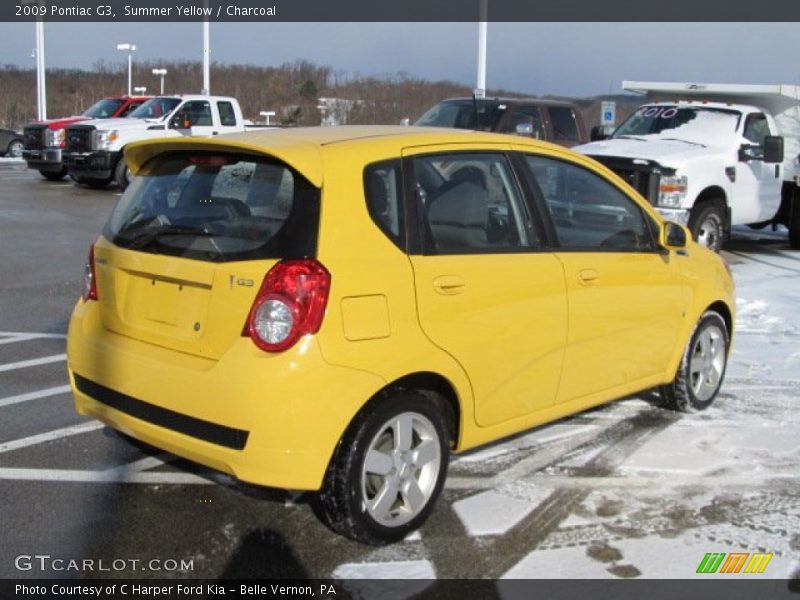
(632, 490)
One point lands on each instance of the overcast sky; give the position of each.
(577, 59)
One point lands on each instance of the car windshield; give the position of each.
(104, 109)
(155, 108)
(461, 114)
(695, 125)
(217, 207)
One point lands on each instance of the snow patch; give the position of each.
(491, 513)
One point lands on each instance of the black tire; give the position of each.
(122, 174)
(707, 224)
(54, 175)
(702, 367)
(97, 184)
(14, 149)
(794, 222)
(384, 501)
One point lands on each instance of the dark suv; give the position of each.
(549, 120)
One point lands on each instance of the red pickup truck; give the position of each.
(45, 140)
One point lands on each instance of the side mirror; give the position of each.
(773, 149)
(673, 235)
(600, 132)
(180, 122)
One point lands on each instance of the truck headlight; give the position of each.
(106, 138)
(54, 137)
(672, 191)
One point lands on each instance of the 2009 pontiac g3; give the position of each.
(339, 309)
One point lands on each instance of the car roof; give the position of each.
(515, 101)
(301, 147)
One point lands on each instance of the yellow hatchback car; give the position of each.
(339, 309)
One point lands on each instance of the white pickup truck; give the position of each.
(94, 149)
(711, 155)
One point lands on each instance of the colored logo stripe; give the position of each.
(713, 562)
(758, 563)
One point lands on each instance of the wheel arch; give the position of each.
(726, 313)
(434, 386)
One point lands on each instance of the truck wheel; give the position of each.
(54, 175)
(707, 224)
(14, 149)
(387, 470)
(794, 222)
(122, 174)
(702, 367)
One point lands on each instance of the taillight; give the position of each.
(290, 304)
(89, 277)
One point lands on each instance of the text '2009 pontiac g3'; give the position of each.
(340, 309)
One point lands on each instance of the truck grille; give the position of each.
(79, 138)
(643, 176)
(34, 137)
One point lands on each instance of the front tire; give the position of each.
(702, 367)
(387, 470)
(707, 224)
(122, 174)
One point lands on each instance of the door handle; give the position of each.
(449, 285)
(588, 276)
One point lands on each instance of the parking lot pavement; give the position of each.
(627, 490)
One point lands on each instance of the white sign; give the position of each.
(608, 113)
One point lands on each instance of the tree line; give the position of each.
(291, 90)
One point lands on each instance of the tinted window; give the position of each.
(104, 109)
(756, 128)
(527, 118)
(588, 212)
(562, 119)
(470, 203)
(130, 108)
(195, 113)
(382, 185)
(227, 116)
(218, 208)
(464, 114)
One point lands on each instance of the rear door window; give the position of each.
(565, 128)
(217, 207)
(470, 203)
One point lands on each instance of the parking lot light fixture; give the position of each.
(130, 48)
(161, 73)
(140, 90)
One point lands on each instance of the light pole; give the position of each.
(140, 89)
(267, 114)
(41, 92)
(483, 10)
(130, 48)
(161, 73)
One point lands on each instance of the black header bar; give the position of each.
(397, 10)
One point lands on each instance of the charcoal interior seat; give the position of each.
(458, 218)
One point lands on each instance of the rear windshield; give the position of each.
(217, 207)
(464, 114)
(104, 109)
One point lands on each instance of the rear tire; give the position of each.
(702, 367)
(14, 149)
(707, 224)
(387, 470)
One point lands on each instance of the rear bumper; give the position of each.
(48, 160)
(269, 419)
(91, 165)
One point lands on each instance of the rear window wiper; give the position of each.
(149, 236)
